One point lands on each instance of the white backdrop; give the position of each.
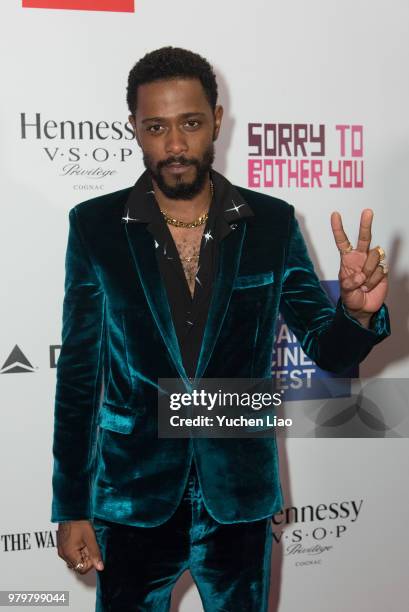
(316, 63)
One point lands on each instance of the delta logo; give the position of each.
(116, 6)
(17, 363)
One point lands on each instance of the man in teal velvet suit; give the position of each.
(182, 276)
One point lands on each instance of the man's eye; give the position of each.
(192, 124)
(154, 129)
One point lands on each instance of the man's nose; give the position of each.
(175, 142)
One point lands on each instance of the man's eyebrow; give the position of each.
(182, 116)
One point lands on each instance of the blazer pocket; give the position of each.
(118, 418)
(253, 280)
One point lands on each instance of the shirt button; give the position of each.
(189, 323)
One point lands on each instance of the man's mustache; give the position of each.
(183, 161)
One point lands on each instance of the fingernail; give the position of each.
(100, 565)
(364, 288)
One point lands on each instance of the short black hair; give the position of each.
(170, 63)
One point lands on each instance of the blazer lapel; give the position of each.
(229, 259)
(137, 215)
(144, 256)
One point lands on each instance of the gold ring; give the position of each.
(381, 253)
(79, 566)
(384, 266)
(347, 250)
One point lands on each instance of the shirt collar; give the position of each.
(141, 205)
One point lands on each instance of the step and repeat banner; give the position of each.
(315, 100)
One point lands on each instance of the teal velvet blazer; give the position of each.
(118, 336)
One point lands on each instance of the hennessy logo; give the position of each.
(91, 151)
(308, 533)
(33, 126)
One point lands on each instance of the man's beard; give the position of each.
(181, 190)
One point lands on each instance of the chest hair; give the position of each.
(187, 241)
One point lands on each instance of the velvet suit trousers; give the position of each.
(229, 563)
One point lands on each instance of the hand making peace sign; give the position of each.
(363, 274)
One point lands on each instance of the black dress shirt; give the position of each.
(189, 313)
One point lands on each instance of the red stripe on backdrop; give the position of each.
(119, 6)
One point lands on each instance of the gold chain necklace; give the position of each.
(191, 258)
(199, 221)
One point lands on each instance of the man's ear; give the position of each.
(218, 114)
(132, 121)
